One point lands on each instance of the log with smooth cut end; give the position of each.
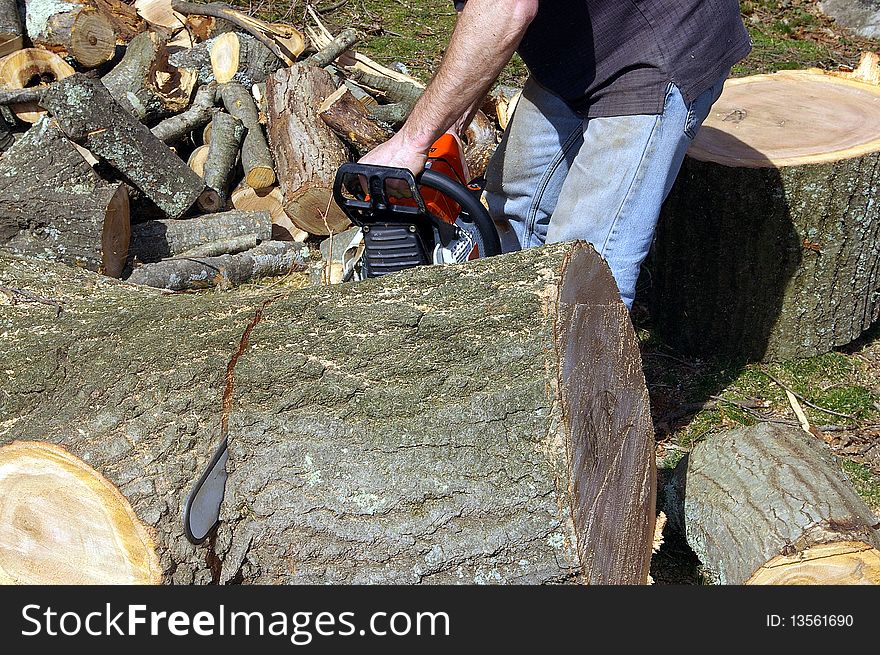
(197, 159)
(307, 152)
(10, 27)
(88, 114)
(768, 246)
(769, 504)
(54, 206)
(224, 53)
(271, 200)
(223, 150)
(22, 68)
(256, 159)
(73, 29)
(66, 523)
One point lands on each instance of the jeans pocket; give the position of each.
(699, 109)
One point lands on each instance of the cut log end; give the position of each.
(210, 201)
(838, 563)
(67, 523)
(92, 39)
(315, 212)
(260, 177)
(31, 67)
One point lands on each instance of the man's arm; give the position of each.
(485, 37)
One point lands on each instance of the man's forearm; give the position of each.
(485, 37)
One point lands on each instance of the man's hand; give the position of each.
(397, 153)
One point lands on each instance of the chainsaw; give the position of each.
(404, 221)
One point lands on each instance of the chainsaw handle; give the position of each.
(469, 203)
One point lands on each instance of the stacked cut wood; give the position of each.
(162, 140)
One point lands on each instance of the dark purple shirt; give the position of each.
(617, 57)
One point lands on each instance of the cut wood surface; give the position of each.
(10, 27)
(197, 159)
(21, 68)
(123, 16)
(68, 524)
(769, 243)
(350, 119)
(769, 504)
(87, 113)
(54, 206)
(160, 13)
(223, 152)
(271, 200)
(256, 160)
(386, 457)
(307, 152)
(481, 142)
(152, 241)
(269, 259)
(72, 28)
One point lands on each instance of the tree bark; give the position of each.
(146, 84)
(54, 206)
(155, 240)
(769, 243)
(88, 115)
(22, 68)
(306, 151)
(10, 27)
(6, 136)
(255, 156)
(350, 120)
(123, 16)
(199, 113)
(72, 28)
(268, 259)
(434, 448)
(223, 151)
(769, 505)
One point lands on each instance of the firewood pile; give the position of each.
(184, 145)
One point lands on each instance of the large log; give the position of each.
(307, 152)
(71, 28)
(89, 116)
(479, 423)
(54, 206)
(10, 27)
(770, 505)
(769, 243)
(152, 241)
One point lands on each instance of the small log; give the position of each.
(227, 135)
(25, 68)
(197, 159)
(306, 150)
(481, 142)
(72, 29)
(285, 42)
(199, 113)
(153, 241)
(769, 504)
(350, 120)
(146, 84)
(237, 54)
(88, 115)
(71, 525)
(203, 28)
(54, 206)
(123, 16)
(230, 246)
(332, 50)
(10, 27)
(268, 259)
(271, 200)
(255, 156)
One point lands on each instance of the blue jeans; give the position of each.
(557, 176)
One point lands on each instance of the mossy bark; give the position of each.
(768, 263)
(487, 422)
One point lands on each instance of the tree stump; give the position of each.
(769, 505)
(768, 246)
(487, 422)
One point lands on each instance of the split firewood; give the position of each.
(71, 525)
(10, 27)
(227, 134)
(199, 113)
(197, 159)
(153, 241)
(307, 152)
(54, 206)
(366, 99)
(351, 120)
(89, 115)
(268, 259)
(769, 504)
(402, 96)
(284, 41)
(21, 68)
(146, 83)
(255, 156)
(271, 200)
(500, 104)
(481, 142)
(71, 28)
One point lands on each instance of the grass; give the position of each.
(865, 482)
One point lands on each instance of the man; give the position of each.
(616, 93)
